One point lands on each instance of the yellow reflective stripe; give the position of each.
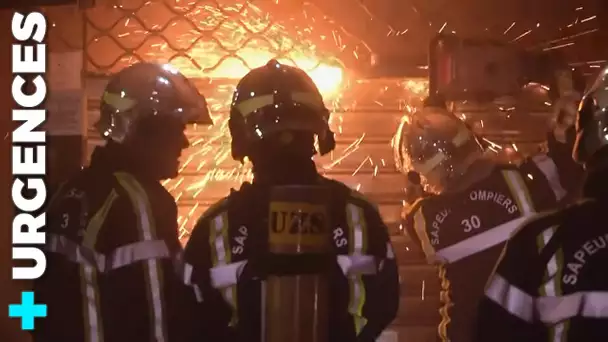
(444, 310)
(251, 105)
(552, 282)
(547, 167)
(96, 222)
(221, 256)
(520, 191)
(423, 236)
(147, 231)
(409, 208)
(430, 164)
(118, 101)
(89, 290)
(88, 275)
(357, 246)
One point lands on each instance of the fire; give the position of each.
(213, 41)
(328, 78)
(209, 157)
(218, 44)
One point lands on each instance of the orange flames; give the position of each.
(218, 44)
(209, 40)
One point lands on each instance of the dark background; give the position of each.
(554, 23)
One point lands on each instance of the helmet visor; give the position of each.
(265, 114)
(433, 141)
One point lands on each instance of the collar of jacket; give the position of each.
(285, 172)
(113, 158)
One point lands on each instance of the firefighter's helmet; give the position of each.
(277, 98)
(437, 145)
(144, 91)
(592, 121)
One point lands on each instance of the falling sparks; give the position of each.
(588, 18)
(221, 45)
(521, 36)
(509, 28)
(555, 47)
(218, 44)
(207, 169)
(442, 27)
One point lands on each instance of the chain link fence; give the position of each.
(205, 38)
(217, 42)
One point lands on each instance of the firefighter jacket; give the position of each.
(231, 232)
(551, 283)
(464, 232)
(111, 239)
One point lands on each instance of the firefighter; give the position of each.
(276, 115)
(414, 190)
(112, 228)
(550, 283)
(479, 202)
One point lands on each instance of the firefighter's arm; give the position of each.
(183, 312)
(381, 290)
(139, 267)
(560, 140)
(414, 193)
(149, 272)
(407, 222)
(560, 151)
(415, 225)
(506, 313)
(552, 177)
(556, 166)
(197, 274)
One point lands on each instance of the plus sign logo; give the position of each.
(29, 194)
(27, 310)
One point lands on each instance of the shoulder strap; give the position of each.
(554, 243)
(564, 227)
(519, 190)
(566, 224)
